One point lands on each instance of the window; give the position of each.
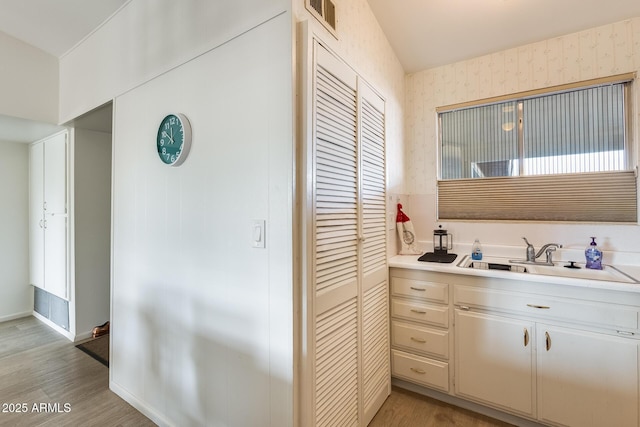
(559, 155)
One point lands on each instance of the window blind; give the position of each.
(585, 197)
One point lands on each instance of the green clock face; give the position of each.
(174, 139)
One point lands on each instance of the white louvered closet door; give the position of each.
(374, 312)
(336, 243)
(349, 286)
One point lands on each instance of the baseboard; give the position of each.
(140, 406)
(15, 316)
(53, 326)
(83, 336)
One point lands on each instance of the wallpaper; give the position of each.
(603, 51)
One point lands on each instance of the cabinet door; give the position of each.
(36, 218)
(55, 258)
(586, 379)
(55, 174)
(494, 361)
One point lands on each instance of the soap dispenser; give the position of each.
(476, 250)
(593, 255)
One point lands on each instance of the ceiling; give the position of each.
(429, 33)
(423, 33)
(54, 26)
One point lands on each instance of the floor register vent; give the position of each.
(325, 12)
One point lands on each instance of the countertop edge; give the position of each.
(411, 262)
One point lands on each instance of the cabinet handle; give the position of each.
(413, 310)
(418, 371)
(361, 239)
(418, 289)
(542, 307)
(45, 224)
(526, 337)
(464, 307)
(420, 340)
(40, 223)
(626, 333)
(44, 206)
(547, 339)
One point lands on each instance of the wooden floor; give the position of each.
(52, 383)
(407, 409)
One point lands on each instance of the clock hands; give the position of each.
(164, 133)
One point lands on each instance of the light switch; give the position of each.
(258, 229)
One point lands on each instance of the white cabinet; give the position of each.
(557, 355)
(420, 334)
(345, 297)
(586, 378)
(556, 359)
(48, 215)
(495, 361)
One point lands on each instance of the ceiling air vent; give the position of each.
(325, 12)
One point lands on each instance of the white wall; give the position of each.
(28, 81)
(598, 52)
(91, 230)
(202, 323)
(147, 38)
(16, 296)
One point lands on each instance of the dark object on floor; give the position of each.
(98, 348)
(101, 330)
(438, 257)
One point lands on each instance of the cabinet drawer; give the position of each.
(420, 370)
(412, 310)
(428, 291)
(429, 341)
(585, 312)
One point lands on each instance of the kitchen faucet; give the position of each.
(547, 249)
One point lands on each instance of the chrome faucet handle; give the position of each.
(549, 252)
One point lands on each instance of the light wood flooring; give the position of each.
(39, 366)
(404, 408)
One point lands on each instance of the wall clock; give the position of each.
(174, 139)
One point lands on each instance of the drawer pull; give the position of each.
(418, 371)
(541, 307)
(420, 340)
(418, 289)
(413, 310)
(526, 337)
(626, 333)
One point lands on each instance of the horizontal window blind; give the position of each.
(585, 197)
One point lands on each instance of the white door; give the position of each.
(586, 379)
(55, 258)
(335, 243)
(55, 174)
(36, 215)
(494, 361)
(373, 260)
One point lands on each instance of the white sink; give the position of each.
(609, 273)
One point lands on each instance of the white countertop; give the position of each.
(411, 262)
